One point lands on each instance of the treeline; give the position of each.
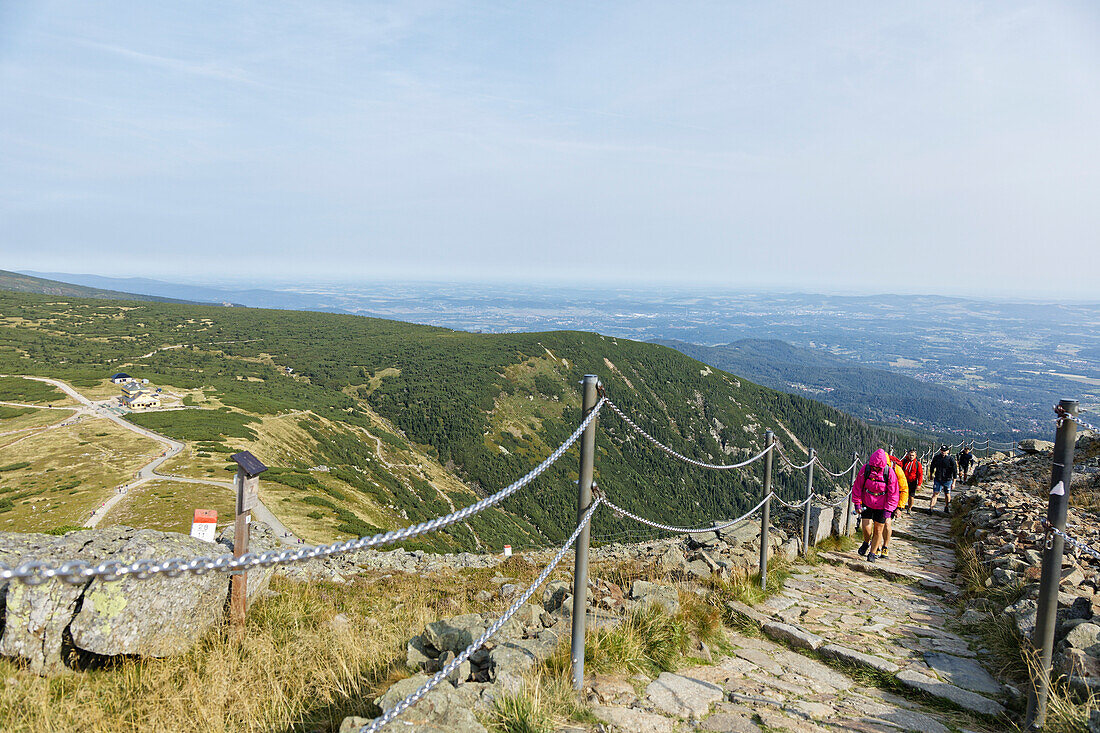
(449, 392)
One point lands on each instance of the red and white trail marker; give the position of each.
(205, 524)
(507, 550)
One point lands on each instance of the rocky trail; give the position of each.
(891, 620)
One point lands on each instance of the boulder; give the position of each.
(36, 616)
(156, 617)
(821, 523)
(554, 593)
(443, 710)
(1086, 637)
(1034, 445)
(962, 672)
(454, 634)
(683, 697)
(664, 596)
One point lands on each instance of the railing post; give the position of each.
(1042, 639)
(848, 503)
(765, 511)
(584, 501)
(806, 509)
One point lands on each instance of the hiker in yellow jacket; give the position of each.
(903, 500)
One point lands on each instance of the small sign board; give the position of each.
(507, 550)
(205, 524)
(248, 492)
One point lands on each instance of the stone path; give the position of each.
(898, 626)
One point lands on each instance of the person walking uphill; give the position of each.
(944, 471)
(914, 476)
(965, 460)
(903, 499)
(875, 495)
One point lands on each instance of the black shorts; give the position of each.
(875, 515)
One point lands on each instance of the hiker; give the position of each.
(965, 459)
(944, 471)
(903, 499)
(914, 476)
(874, 494)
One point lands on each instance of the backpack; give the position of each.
(867, 476)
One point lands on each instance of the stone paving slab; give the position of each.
(896, 628)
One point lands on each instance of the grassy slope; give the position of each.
(439, 405)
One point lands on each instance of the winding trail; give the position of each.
(149, 472)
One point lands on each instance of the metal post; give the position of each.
(848, 504)
(1061, 474)
(584, 501)
(806, 509)
(765, 511)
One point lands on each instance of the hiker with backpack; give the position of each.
(914, 476)
(903, 499)
(944, 471)
(965, 460)
(875, 494)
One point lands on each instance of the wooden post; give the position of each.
(247, 484)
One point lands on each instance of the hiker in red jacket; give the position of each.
(875, 496)
(914, 474)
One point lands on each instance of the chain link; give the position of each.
(824, 468)
(1052, 530)
(1063, 415)
(686, 530)
(799, 505)
(78, 571)
(836, 503)
(713, 466)
(378, 723)
(790, 463)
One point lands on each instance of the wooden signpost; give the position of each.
(247, 484)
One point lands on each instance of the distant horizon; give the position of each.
(700, 289)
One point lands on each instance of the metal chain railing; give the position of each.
(680, 456)
(790, 463)
(1052, 530)
(379, 722)
(78, 571)
(799, 505)
(685, 530)
(825, 468)
(1063, 415)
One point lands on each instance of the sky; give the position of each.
(879, 146)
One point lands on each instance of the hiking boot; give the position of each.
(872, 557)
(884, 552)
(863, 548)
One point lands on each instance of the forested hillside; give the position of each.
(21, 283)
(397, 420)
(872, 394)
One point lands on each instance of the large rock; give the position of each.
(664, 596)
(963, 698)
(821, 523)
(1034, 445)
(961, 672)
(443, 710)
(36, 616)
(632, 720)
(454, 634)
(683, 697)
(156, 617)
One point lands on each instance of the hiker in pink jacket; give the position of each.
(874, 496)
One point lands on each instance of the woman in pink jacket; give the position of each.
(874, 496)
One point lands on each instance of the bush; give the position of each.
(14, 466)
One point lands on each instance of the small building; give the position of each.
(121, 378)
(141, 401)
(131, 388)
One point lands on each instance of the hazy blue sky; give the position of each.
(862, 146)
